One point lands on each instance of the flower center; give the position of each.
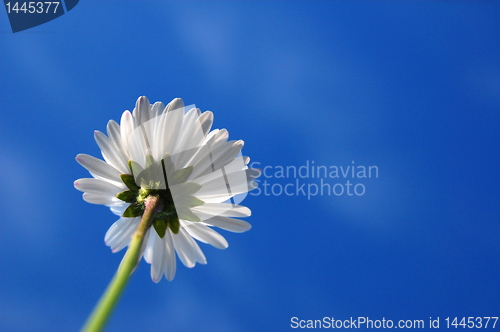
(153, 182)
(136, 195)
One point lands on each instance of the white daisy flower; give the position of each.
(198, 175)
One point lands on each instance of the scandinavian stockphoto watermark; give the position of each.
(361, 322)
(311, 180)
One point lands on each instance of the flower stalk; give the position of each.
(101, 313)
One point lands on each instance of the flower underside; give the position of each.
(166, 165)
(156, 180)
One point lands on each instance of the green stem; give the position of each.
(104, 308)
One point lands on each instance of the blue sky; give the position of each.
(410, 87)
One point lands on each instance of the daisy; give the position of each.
(198, 176)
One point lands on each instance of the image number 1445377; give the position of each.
(24, 15)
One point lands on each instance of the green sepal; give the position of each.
(127, 196)
(133, 210)
(186, 188)
(180, 176)
(186, 214)
(160, 226)
(193, 201)
(151, 178)
(150, 161)
(130, 166)
(129, 181)
(173, 224)
(189, 201)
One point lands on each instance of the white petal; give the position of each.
(228, 184)
(148, 251)
(222, 135)
(124, 239)
(175, 104)
(223, 196)
(157, 108)
(169, 130)
(118, 226)
(126, 128)
(204, 161)
(142, 111)
(202, 158)
(118, 235)
(205, 234)
(228, 155)
(211, 135)
(221, 153)
(187, 249)
(138, 146)
(98, 186)
(153, 127)
(229, 224)
(207, 177)
(183, 250)
(252, 185)
(206, 120)
(237, 164)
(215, 184)
(223, 209)
(190, 138)
(159, 145)
(158, 251)
(140, 141)
(169, 261)
(101, 199)
(110, 153)
(118, 209)
(253, 173)
(205, 149)
(98, 167)
(115, 136)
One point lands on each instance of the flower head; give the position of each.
(171, 153)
